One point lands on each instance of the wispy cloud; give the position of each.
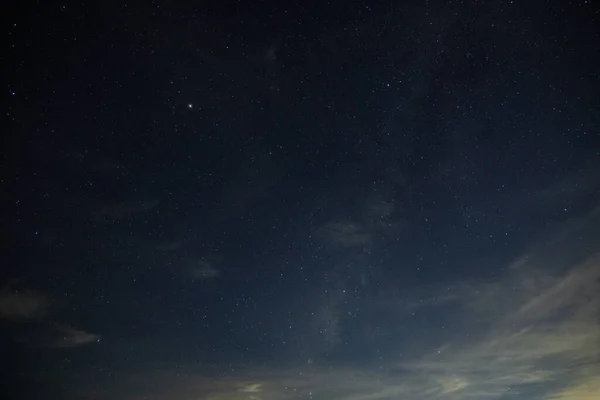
(71, 337)
(180, 258)
(22, 304)
(547, 329)
(345, 233)
(531, 332)
(376, 221)
(251, 387)
(31, 309)
(587, 387)
(201, 269)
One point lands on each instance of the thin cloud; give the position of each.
(22, 304)
(54, 336)
(71, 337)
(585, 388)
(169, 247)
(376, 223)
(201, 269)
(30, 309)
(345, 233)
(549, 332)
(532, 332)
(251, 388)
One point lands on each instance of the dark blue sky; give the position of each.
(347, 200)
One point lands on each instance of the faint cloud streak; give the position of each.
(71, 337)
(345, 234)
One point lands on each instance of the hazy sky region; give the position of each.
(309, 200)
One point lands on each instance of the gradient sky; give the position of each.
(312, 200)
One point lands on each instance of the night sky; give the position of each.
(316, 201)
